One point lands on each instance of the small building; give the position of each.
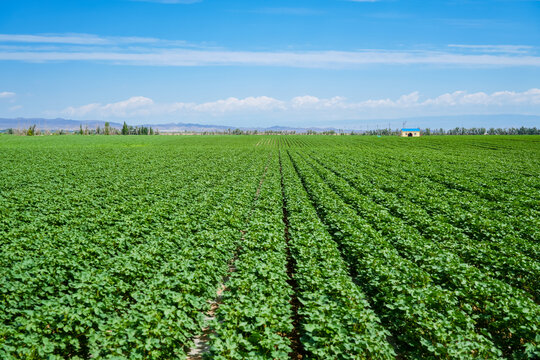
(413, 132)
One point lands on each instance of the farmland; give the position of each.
(269, 247)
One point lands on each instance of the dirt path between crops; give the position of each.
(201, 342)
(296, 345)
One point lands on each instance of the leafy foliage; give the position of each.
(354, 247)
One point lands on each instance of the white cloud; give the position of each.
(308, 101)
(261, 103)
(409, 99)
(159, 52)
(508, 49)
(501, 98)
(81, 39)
(88, 40)
(312, 59)
(140, 106)
(134, 106)
(7, 94)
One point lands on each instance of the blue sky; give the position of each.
(263, 63)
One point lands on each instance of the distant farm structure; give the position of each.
(412, 132)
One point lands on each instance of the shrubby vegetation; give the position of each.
(106, 130)
(144, 130)
(483, 131)
(456, 131)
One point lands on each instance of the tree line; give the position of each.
(107, 129)
(145, 130)
(484, 131)
(456, 131)
(388, 132)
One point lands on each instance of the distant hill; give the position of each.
(66, 124)
(433, 122)
(451, 121)
(72, 125)
(53, 124)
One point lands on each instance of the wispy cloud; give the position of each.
(139, 106)
(507, 49)
(159, 52)
(90, 40)
(311, 59)
(415, 100)
(81, 39)
(7, 94)
(477, 23)
(142, 106)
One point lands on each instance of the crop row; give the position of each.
(505, 312)
(463, 211)
(516, 215)
(499, 259)
(109, 276)
(425, 318)
(446, 175)
(254, 318)
(284, 247)
(337, 322)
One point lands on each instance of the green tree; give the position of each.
(31, 130)
(125, 129)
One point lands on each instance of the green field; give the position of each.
(269, 247)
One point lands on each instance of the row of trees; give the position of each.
(30, 131)
(144, 130)
(456, 131)
(483, 131)
(106, 130)
(126, 130)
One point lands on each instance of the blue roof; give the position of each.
(411, 129)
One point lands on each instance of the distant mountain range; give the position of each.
(70, 125)
(446, 122)
(450, 121)
(52, 124)
(73, 125)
